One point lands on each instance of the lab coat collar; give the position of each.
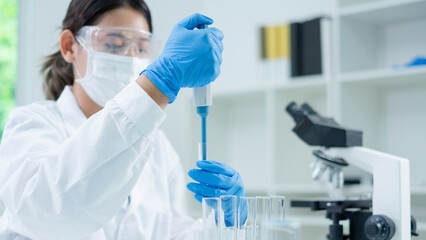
(71, 113)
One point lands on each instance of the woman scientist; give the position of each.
(92, 164)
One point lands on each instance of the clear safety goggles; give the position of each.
(119, 40)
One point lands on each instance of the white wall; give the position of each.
(40, 24)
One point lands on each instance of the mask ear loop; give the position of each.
(78, 72)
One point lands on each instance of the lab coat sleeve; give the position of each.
(183, 224)
(69, 189)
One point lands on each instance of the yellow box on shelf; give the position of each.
(275, 41)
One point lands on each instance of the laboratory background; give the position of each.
(369, 75)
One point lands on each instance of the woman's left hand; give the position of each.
(214, 180)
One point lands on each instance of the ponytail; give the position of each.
(58, 73)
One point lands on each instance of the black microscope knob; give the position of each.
(414, 227)
(379, 227)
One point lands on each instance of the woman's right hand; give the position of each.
(191, 58)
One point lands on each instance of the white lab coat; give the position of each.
(63, 176)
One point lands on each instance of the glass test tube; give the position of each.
(263, 205)
(211, 218)
(228, 217)
(277, 208)
(197, 234)
(263, 211)
(246, 218)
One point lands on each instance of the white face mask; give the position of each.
(107, 74)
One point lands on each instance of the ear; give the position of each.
(66, 42)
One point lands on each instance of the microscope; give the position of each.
(386, 215)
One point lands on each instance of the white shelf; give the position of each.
(418, 190)
(386, 76)
(238, 90)
(305, 82)
(384, 12)
(231, 91)
(421, 227)
(300, 189)
(299, 83)
(318, 189)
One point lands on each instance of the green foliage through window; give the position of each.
(8, 57)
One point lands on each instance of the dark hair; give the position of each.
(59, 73)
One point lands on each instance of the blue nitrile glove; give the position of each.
(214, 180)
(191, 58)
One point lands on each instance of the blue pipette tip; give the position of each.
(203, 111)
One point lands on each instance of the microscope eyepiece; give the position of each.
(295, 111)
(317, 130)
(308, 109)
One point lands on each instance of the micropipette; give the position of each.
(202, 100)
